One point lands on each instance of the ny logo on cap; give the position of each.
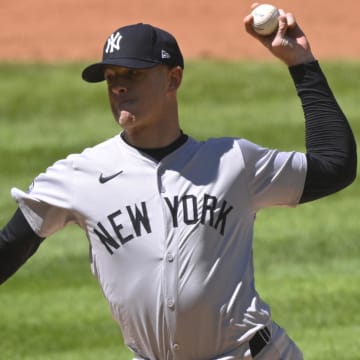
(113, 43)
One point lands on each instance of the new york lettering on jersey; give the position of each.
(130, 222)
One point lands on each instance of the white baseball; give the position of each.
(265, 19)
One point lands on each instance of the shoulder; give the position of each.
(98, 154)
(218, 144)
(104, 148)
(232, 144)
(63, 170)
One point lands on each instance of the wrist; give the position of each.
(298, 60)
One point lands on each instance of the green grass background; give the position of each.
(307, 259)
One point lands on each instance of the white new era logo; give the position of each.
(165, 54)
(113, 43)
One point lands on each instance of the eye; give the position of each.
(113, 75)
(109, 76)
(132, 74)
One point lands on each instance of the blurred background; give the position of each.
(72, 30)
(307, 259)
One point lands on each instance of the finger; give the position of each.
(283, 25)
(291, 21)
(248, 21)
(282, 12)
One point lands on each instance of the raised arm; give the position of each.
(330, 143)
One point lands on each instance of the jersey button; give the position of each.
(176, 347)
(170, 303)
(170, 257)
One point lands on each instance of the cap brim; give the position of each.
(95, 72)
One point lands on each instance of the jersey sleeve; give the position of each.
(275, 178)
(48, 204)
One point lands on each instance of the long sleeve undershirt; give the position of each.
(330, 152)
(330, 143)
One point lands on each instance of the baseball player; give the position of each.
(170, 219)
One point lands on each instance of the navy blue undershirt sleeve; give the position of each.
(18, 242)
(330, 143)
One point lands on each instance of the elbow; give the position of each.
(352, 164)
(352, 170)
(347, 173)
(345, 167)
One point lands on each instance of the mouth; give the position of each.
(125, 108)
(125, 102)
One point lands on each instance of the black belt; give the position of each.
(259, 341)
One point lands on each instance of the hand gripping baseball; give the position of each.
(288, 43)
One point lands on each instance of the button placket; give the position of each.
(170, 267)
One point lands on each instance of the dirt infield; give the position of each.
(60, 30)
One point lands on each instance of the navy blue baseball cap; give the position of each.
(136, 46)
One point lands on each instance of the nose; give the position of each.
(118, 89)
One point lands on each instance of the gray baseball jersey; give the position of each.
(171, 240)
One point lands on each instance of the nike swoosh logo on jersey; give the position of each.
(104, 179)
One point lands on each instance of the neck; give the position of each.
(160, 153)
(152, 137)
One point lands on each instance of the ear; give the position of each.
(175, 77)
